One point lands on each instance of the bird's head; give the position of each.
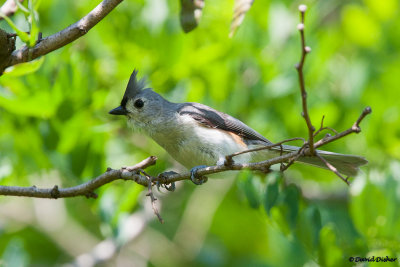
(141, 105)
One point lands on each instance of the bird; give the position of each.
(197, 135)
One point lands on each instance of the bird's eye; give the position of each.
(139, 103)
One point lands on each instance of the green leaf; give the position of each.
(272, 191)
(251, 187)
(21, 34)
(24, 68)
(15, 254)
(291, 196)
(308, 227)
(279, 219)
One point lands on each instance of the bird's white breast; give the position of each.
(193, 144)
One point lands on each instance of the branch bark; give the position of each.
(299, 66)
(63, 37)
(85, 189)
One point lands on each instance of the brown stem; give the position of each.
(333, 169)
(299, 67)
(355, 128)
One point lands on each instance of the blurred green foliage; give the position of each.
(55, 130)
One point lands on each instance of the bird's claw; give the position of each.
(163, 176)
(170, 187)
(194, 177)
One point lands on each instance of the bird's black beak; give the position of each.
(118, 111)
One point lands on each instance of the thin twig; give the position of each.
(304, 51)
(355, 128)
(333, 169)
(229, 160)
(152, 197)
(322, 128)
(300, 153)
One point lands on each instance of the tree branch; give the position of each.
(299, 66)
(63, 37)
(85, 189)
(353, 129)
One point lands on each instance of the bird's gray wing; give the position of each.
(212, 118)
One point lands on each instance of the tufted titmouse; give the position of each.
(196, 135)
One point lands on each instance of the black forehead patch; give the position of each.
(123, 102)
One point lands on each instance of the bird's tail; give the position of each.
(348, 165)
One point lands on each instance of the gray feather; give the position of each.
(212, 118)
(345, 164)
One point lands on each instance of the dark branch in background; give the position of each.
(61, 38)
(191, 11)
(167, 180)
(299, 66)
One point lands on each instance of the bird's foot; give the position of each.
(195, 178)
(164, 176)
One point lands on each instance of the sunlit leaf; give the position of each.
(360, 27)
(384, 10)
(240, 9)
(24, 68)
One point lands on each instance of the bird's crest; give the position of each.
(134, 85)
(133, 88)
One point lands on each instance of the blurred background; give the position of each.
(55, 129)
